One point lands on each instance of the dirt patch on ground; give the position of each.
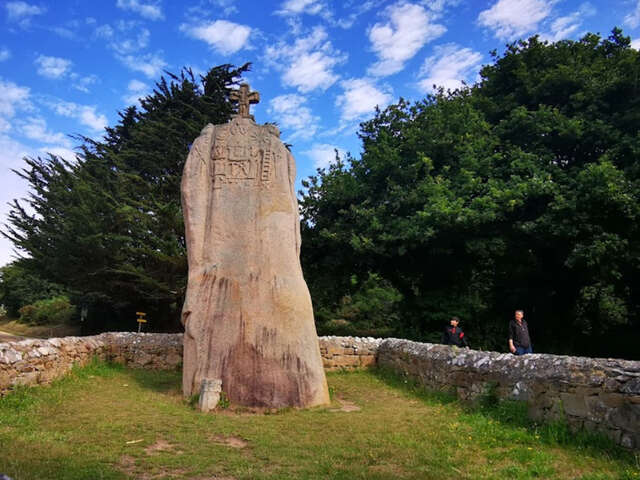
(7, 337)
(233, 442)
(160, 446)
(127, 465)
(345, 406)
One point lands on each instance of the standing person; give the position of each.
(453, 335)
(519, 339)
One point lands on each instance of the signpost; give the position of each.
(141, 320)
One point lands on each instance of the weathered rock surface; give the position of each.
(600, 394)
(247, 315)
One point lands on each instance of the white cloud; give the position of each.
(63, 152)
(35, 128)
(347, 20)
(135, 90)
(150, 64)
(202, 9)
(510, 19)
(360, 98)
(5, 54)
(298, 7)
(150, 11)
(292, 113)
(438, 6)
(409, 27)
(563, 27)
(11, 186)
(22, 12)
(633, 19)
(448, 66)
(85, 114)
(636, 44)
(308, 63)
(104, 31)
(323, 154)
(82, 83)
(223, 36)
(125, 46)
(13, 98)
(53, 67)
(126, 38)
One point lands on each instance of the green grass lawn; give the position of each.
(107, 422)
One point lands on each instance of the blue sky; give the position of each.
(321, 67)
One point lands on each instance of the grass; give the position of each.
(14, 327)
(107, 422)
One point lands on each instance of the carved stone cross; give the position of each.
(244, 99)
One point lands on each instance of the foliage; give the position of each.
(519, 192)
(53, 311)
(20, 287)
(109, 227)
(370, 311)
(3, 312)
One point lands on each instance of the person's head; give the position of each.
(454, 321)
(519, 315)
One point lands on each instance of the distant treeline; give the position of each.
(521, 191)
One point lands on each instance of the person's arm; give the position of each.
(512, 347)
(463, 339)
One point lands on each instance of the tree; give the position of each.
(519, 192)
(108, 227)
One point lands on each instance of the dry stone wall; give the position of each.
(34, 361)
(348, 352)
(597, 394)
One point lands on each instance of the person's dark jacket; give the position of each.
(454, 336)
(519, 333)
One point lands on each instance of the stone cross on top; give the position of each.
(244, 99)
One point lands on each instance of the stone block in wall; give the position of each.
(367, 360)
(632, 386)
(25, 379)
(346, 360)
(626, 417)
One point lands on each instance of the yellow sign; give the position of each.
(142, 320)
(140, 314)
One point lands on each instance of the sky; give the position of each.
(321, 67)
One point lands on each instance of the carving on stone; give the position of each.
(247, 314)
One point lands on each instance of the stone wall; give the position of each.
(597, 394)
(348, 352)
(34, 361)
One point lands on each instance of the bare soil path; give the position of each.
(7, 337)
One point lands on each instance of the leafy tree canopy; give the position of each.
(519, 192)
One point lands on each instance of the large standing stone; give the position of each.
(247, 315)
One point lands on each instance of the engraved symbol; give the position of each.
(245, 99)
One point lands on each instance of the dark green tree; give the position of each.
(519, 192)
(109, 226)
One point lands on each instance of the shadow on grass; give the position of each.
(160, 381)
(513, 415)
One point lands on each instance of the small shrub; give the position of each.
(224, 401)
(3, 313)
(56, 310)
(27, 314)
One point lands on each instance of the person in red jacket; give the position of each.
(453, 335)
